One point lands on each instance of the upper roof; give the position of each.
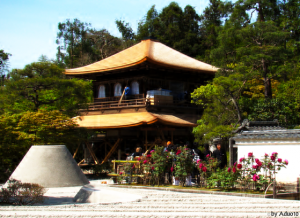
(147, 50)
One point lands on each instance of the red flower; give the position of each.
(120, 173)
(274, 154)
(286, 162)
(201, 165)
(239, 166)
(145, 161)
(152, 168)
(279, 160)
(255, 177)
(229, 169)
(198, 161)
(133, 166)
(254, 166)
(242, 159)
(273, 158)
(204, 169)
(178, 152)
(172, 169)
(266, 155)
(151, 151)
(186, 149)
(139, 159)
(234, 164)
(233, 169)
(207, 155)
(250, 154)
(148, 155)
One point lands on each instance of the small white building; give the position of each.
(262, 137)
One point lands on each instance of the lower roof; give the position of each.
(123, 120)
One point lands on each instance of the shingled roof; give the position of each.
(147, 50)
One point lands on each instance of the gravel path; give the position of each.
(154, 203)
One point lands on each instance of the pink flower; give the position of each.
(148, 155)
(255, 177)
(172, 169)
(201, 165)
(198, 161)
(273, 158)
(254, 166)
(279, 160)
(250, 154)
(178, 152)
(151, 151)
(286, 162)
(139, 159)
(266, 155)
(145, 161)
(239, 166)
(204, 169)
(186, 149)
(233, 169)
(133, 166)
(259, 164)
(120, 173)
(152, 168)
(242, 159)
(229, 169)
(274, 154)
(207, 155)
(234, 164)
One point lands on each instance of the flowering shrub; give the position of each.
(261, 172)
(183, 164)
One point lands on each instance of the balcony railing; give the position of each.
(135, 101)
(141, 102)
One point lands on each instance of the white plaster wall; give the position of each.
(291, 152)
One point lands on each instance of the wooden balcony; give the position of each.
(137, 101)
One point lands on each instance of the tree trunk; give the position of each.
(267, 81)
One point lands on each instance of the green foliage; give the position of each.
(21, 193)
(285, 111)
(41, 85)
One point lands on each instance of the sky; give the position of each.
(28, 28)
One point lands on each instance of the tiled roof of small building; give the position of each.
(269, 134)
(264, 130)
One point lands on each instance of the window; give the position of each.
(135, 88)
(101, 93)
(118, 89)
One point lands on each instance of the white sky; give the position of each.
(28, 28)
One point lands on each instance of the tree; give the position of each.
(212, 19)
(72, 43)
(177, 28)
(103, 45)
(222, 110)
(41, 85)
(128, 35)
(3, 64)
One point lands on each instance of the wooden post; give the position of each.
(76, 150)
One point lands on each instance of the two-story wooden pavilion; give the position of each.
(158, 109)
